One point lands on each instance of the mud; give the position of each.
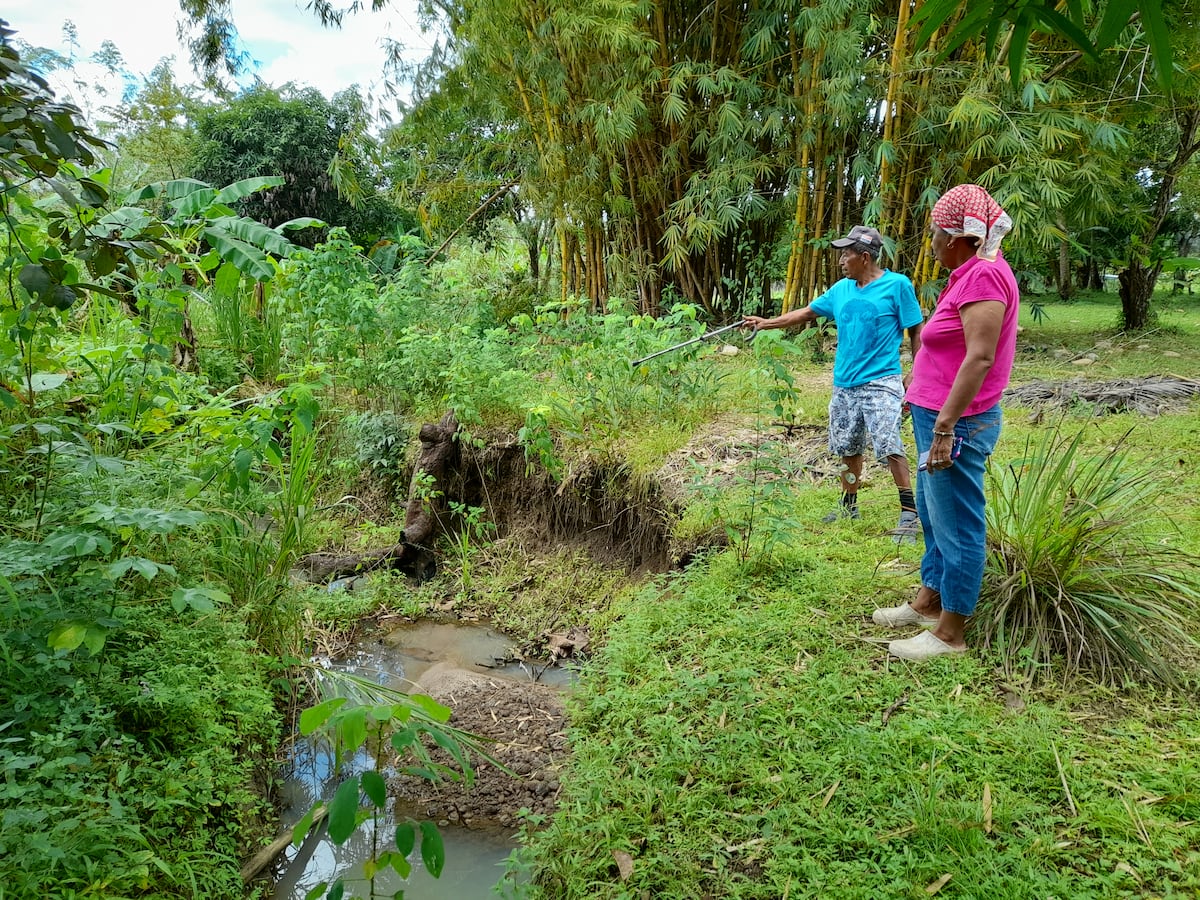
(527, 727)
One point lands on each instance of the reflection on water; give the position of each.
(474, 857)
(476, 648)
(474, 864)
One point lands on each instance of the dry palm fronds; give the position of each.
(1148, 396)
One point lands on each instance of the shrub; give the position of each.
(1075, 575)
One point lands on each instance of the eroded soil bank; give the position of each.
(609, 520)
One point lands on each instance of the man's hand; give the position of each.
(755, 322)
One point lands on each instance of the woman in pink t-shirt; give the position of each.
(962, 368)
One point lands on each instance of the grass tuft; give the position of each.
(1075, 576)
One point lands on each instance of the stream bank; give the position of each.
(469, 669)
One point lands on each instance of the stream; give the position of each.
(475, 857)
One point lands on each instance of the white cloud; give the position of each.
(285, 40)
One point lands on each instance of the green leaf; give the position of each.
(1115, 20)
(46, 381)
(343, 811)
(1158, 38)
(202, 600)
(406, 838)
(94, 638)
(454, 748)
(172, 190)
(432, 708)
(75, 542)
(248, 259)
(316, 716)
(433, 852)
(94, 193)
(402, 740)
(195, 203)
(255, 234)
(147, 568)
(240, 190)
(1182, 262)
(352, 728)
(933, 14)
(317, 892)
(228, 280)
(399, 861)
(337, 891)
(374, 787)
(1017, 48)
(301, 828)
(302, 222)
(67, 636)
(1056, 21)
(35, 279)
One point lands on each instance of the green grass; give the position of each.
(743, 734)
(731, 739)
(1090, 325)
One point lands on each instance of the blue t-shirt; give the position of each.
(870, 323)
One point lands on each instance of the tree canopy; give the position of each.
(314, 144)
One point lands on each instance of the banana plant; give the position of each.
(198, 214)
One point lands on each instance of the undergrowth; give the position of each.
(743, 735)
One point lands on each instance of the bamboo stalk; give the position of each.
(891, 121)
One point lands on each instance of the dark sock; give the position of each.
(850, 500)
(907, 501)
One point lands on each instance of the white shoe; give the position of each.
(925, 645)
(901, 617)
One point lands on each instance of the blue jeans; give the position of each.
(951, 504)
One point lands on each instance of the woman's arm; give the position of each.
(981, 321)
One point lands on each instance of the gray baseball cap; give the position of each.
(860, 234)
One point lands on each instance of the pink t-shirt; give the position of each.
(944, 346)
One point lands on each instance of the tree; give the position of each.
(41, 143)
(314, 144)
(670, 143)
(1091, 31)
(154, 131)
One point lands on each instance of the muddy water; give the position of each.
(474, 857)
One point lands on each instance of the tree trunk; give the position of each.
(1065, 288)
(1137, 286)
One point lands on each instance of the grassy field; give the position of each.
(742, 732)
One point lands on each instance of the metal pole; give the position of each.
(695, 340)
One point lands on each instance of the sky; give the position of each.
(285, 41)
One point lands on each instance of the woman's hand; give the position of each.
(940, 450)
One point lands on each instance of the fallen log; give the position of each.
(437, 464)
(267, 854)
(321, 568)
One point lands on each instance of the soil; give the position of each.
(527, 723)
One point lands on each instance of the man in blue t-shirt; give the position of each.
(872, 307)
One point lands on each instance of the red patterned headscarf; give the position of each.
(970, 210)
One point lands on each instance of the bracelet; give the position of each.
(943, 434)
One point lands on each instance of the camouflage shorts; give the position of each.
(868, 409)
